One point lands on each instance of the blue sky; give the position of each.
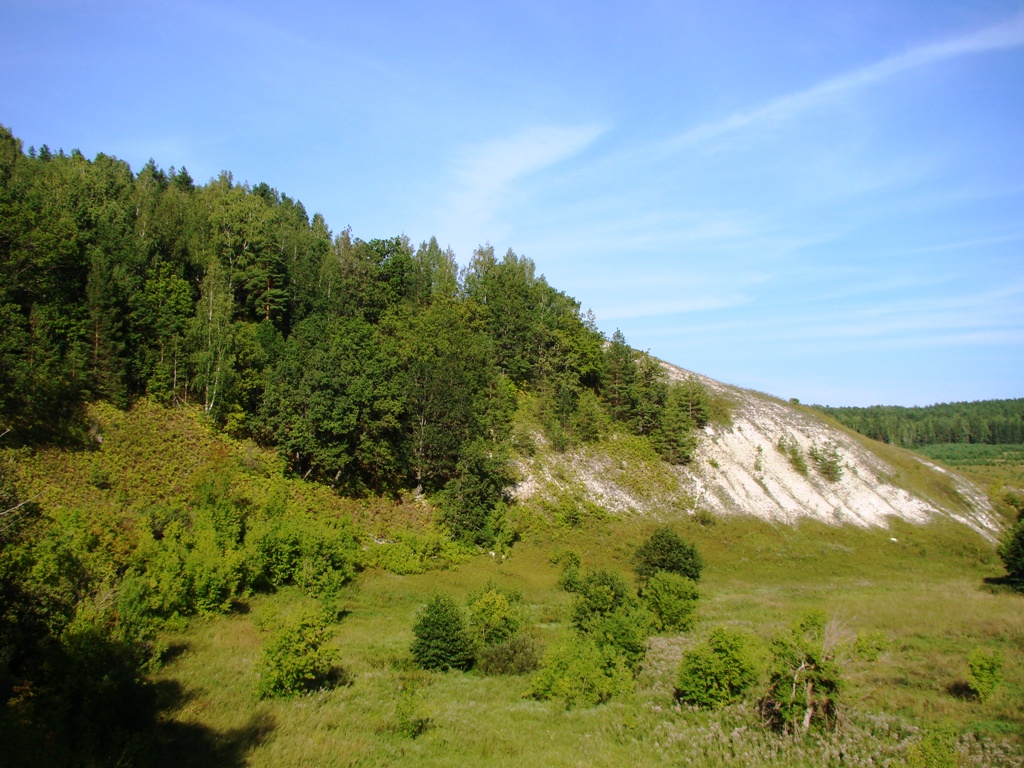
(822, 200)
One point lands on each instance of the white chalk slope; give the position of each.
(739, 470)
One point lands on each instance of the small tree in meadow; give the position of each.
(672, 599)
(442, 637)
(581, 673)
(296, 659)
(606, 610)
(1011, 550)
(717, 672)
(665, 550)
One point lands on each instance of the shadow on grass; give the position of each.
(962, 690)
(1003, 585)
(180, 745)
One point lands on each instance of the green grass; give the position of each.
(924, 595)
(989, 463)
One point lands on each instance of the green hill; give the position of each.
(244, 461)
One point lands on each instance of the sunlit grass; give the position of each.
(923, 593)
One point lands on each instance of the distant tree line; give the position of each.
(995, 422)
(373, 366)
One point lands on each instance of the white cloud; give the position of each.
(484, 176)
(1007, 34)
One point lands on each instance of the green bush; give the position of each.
(516, 656)
(665, 550)
(600, 593)
(606, 610)
(717, 672)
(442, 637)
(296, 659)
(1011, 550)
(790, 447)
(986, 671)
(936, 749)
(828, 461)
(494, 616)
(672, 599)
(805, 679)
(317, 555)
(569, 578)
(581, 674)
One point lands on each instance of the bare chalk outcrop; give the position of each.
(763, 464)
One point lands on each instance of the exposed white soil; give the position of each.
(740, 470)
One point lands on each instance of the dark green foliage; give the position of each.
(1011, 550)
(675, 436)
(717, 671)
(472, 504)
(71, 686)
(791, 448)
(606, 610)
(296, 658)
(672, 599)
(805, 679)
(827, 461)
(442, 637)
(665, 550)
(516, 656)
(997, 422)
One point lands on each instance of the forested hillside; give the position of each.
(373, 366)
(245, 461)
(992, 422)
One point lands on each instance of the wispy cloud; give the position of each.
(1006, 34)
(483, 176)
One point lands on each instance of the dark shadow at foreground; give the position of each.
(175, 743)
(182, 744)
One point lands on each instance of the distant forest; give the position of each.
(373, 366)
(992, 422)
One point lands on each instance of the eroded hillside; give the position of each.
(774, 460)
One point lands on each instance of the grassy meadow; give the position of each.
(923, 597)
(917, 595)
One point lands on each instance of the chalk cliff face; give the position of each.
(762, 464)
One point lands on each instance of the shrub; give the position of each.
(582, 674)
(986, 671)
(494, 617)
(716, 672)
(805, 679)
(936, 749)
(606, 610)
(1011, 550)
(827, 461)
(442, 638)
(665, 550)
(672, 599)
(516, 656)
(600, 593)
(789, 446)
(569, 578)
(315, 555)
(296, 660)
